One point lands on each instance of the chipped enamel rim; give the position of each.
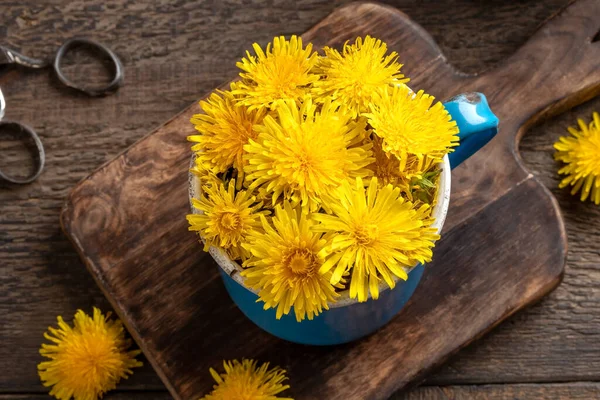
(233, 269)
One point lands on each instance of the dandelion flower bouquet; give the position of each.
(318, 173)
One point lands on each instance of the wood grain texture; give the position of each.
(115, 395)
(574, 391)
(173, 53)
(570, 391)
(485, 268)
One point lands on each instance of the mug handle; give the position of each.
(476, 122)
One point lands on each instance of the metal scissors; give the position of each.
(8, 57)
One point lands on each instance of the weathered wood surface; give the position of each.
(127, 225)
(172, 54)
(564, 391)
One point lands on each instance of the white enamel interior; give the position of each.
(233, 269)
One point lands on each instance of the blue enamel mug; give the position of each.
(347, 319)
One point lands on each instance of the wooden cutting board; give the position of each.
(503, 245)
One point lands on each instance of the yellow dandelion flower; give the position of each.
(246, 381)
(207, 178)
(416, 186)
(226, 219)
(282, 72)
(285, 263)
(376, 234)
(386, 167)
(581, 154)
(411, 128)
(88, 359)
(224, 130)
(304, 153)
(354, 76)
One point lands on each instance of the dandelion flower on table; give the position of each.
(376, 234)
(88, 359)
(227, 218)
(355, 75)
(284, 266)
(282, 72)
(413, 129)
(581, 154)
(304, 154)
(246, 381)
(224, 130)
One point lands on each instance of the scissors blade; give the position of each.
(2, 105)
(9, 56)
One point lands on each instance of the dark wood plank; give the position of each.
(572, 391)
(42, 275)
(115, 395)
(500, 265)
(565, 391)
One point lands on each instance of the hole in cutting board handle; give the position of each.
(596, 37)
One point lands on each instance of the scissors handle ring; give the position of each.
(41, 159)
(118, 67)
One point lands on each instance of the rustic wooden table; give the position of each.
(175, 51)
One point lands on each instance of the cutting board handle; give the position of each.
(558, 68)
